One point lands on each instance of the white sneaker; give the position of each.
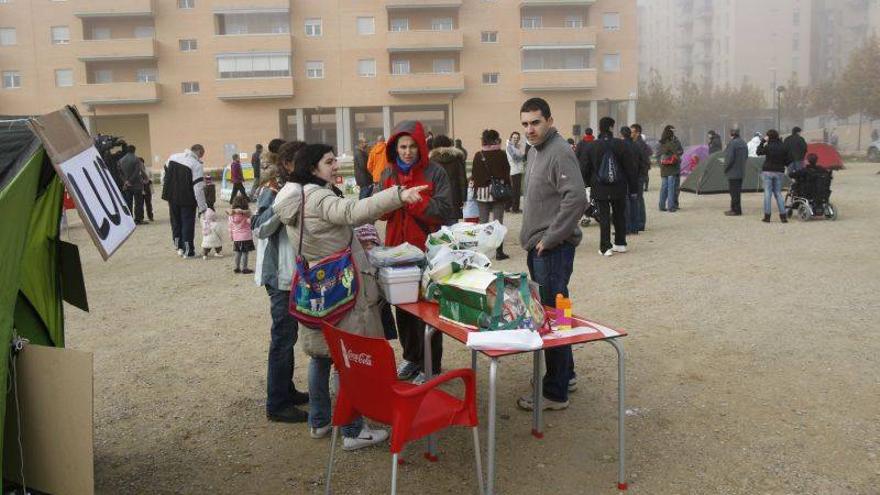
(367, 438)
(610, 252)
(407, 370)
(218, 255)
(420, 378)
(619, 249)
(205, 257)
(320, 432)
(180, 252)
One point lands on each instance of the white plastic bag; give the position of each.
(447, 262)
(402, 254)
(483, 237)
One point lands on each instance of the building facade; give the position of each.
(727, 42)
(165, 74)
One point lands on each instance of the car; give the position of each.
(874, 151)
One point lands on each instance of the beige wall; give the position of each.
(135, 128)
(179, 120)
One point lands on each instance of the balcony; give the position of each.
(259, 43)
(424, 4)
(268, 88)
(556, 3)
(558, 37)
(122, 93)
(559, 80)
(117, 49)
(117, 8)
(426, 83)
(425, 41)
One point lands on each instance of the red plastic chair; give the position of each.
(368, 387)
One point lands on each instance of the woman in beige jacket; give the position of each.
(329, 222)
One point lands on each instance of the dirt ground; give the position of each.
(753, 366)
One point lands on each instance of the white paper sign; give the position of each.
(98, 200)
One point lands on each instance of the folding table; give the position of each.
(430, 313)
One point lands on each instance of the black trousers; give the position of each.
(185, 219)
(237, 188)
(412, 339)
(516, 182)
(736, 187)
(135, 201)
(148, 202)
(611, 210)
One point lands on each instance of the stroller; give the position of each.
(591, 212)
(809, 194)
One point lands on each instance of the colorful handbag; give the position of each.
(326, 290)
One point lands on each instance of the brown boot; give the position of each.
(766, 218)
(783, 218)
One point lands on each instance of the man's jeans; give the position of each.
(773, 187)
(366, 191)
(284, 332)
(319, 398)
(669, 192)
(552, 270)
(635, 209)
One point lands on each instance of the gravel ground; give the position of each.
(752, 367)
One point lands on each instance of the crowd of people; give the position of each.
(417, 182)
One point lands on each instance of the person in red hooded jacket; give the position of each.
(408, 165)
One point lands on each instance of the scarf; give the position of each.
(403, 166)
(491, 147)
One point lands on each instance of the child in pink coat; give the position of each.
(239, 219)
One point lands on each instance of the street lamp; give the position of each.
(779, 91)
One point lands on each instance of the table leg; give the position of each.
(490, 451)
(621, 415)
(474, 361)
(431, 454)
(537, 394)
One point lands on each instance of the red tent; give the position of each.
(829, 158)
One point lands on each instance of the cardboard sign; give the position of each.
(86, 178)
(55, 388)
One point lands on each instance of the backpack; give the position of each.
(609, 169)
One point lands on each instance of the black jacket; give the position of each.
(644, 157)
(590, 158)
(797, 146)
(715, 144)
(776, 154)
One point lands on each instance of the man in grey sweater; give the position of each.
(735, 157)
(554, 201)
(133, 183)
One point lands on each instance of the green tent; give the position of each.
(31, 196)
(708, 177)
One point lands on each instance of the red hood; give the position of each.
(411, 128)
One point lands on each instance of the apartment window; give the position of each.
(796, 18)
(561, 59)
(7, 37)
(531, 22)
(101, 33)
(367, 67)
(60, 35)
(611, 62)
(574, 22)
(400, 67)
(188, 45)
(366, 25)
(189, 87)
(315, 69)
(146, 75)
(63, 78)
(490, 78)
(103, 76)
(253, 23)
(313, 27)
(253, 65)
(400, 24)
(5, 1)
(144, 32)
(11, 79)
(187, 4)
(442, 24)
(489, 36)
(611, 21)
(444, 66)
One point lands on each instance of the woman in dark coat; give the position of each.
(452, 160)
(490, 163)
(777, 156)
(669, 156)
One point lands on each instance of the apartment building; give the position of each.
(840, 27)
(726, 42)
(232, 73)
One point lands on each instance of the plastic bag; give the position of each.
(436, 240)
(403, 254)
(483, 237)
(447, 262)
